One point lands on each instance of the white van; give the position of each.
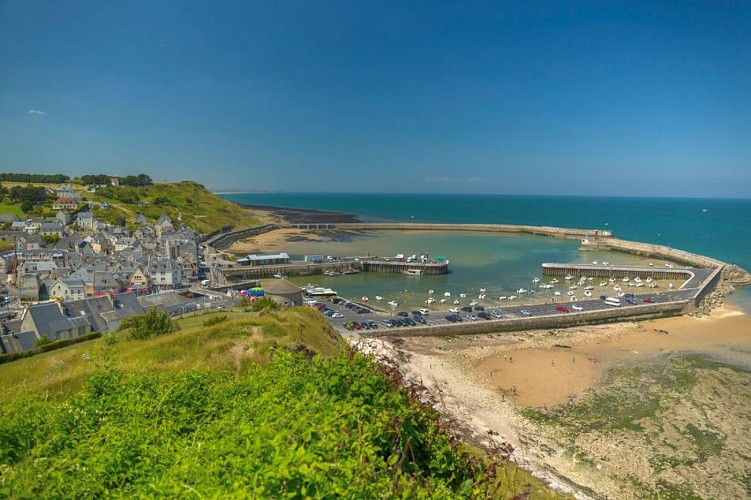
(612, 301)
(424, 311)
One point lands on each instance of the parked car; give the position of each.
(562, 309)
(577, 307)
(648, 300)
(403, 314)
(525, 312)
(631, 301)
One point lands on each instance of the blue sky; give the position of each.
(602, 98)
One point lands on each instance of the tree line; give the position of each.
(88, 180)
(38, 178)
(128, 180)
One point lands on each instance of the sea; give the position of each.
(501, 264)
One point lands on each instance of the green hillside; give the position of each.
(237, 403)
(186, 201)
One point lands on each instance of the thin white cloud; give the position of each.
(475, 179)
(36, 112)
(437, 179)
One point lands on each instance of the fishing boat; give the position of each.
(393, 303)
(378, 297)
(412, 272)
(352, 270)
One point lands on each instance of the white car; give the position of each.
(424, 311)
(337, 315)
(454, 310)
(576, 307)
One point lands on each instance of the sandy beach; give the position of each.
(488, 380)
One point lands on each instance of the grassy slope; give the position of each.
(235, 347)
(226, 347)
(199, 209)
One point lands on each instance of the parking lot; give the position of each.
(350, 316)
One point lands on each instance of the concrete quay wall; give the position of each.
(562, 320)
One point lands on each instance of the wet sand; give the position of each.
(551, 367)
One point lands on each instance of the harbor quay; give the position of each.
(693, 283)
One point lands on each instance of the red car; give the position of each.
(562, 309)
(649, 300)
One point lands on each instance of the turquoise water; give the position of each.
(718, 228)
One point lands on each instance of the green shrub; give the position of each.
(148, 325)
(215, 320)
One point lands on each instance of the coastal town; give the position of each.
(72, 274)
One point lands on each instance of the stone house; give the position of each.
(70, 288)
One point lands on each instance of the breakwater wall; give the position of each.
(651, 250)
(225, 240)
(557, 232)
(618, 314)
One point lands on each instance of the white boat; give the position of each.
(637, 279)
(639, 285)
(668, 264)
(587, 293)
(378, 297)
(456, 302)
(412, 272)
(364, 299)
(536, 280)
(553, 281)
(649, 280)
(573, 287)
(463, 295)
(611, 279)
(603, 283)
(482, 290)
(481, 296)
(573, 298)
(443, 301)
(473, 303)
(557, 293)
(393, 303)
(625, 279)
(589, 287)
(570, 292)
(568, 277)
(502, 297)
(512, 297)
(431, 292)
(430, 301)
(594, 262)
(617, 288)
(447, 294)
